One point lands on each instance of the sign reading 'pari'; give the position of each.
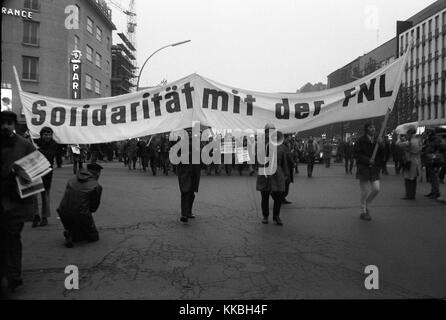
(75, 63)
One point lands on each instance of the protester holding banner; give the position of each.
(49, 148)
(411, 145)
(14, 210)
(368, 168)
(273, 184)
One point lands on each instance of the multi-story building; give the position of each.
(425, 72)
(38, 37)
(123, 67)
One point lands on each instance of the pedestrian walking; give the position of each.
(311, 148)
(432, 154)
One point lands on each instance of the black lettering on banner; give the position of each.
(249, 100)
(73, 116)
(84, 116)
(283, 109)
(145, 105)
(54, 115)
(369, 92)
(236, 102)
(118, 115)
(187, 90)
(301, 110)
(99, 117)
(317, 107)
(215, 98)
(133, 113)
(348, 94)
(156, 101)
(382, 87)
(40, 113)
(173, 105)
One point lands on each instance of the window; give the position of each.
(99, 34)
(31, 4)
(89, 25)
(97, 86)
(30, 68)
(30, 32)
(76, 43)
(98, 60)
(88, 82)
(89, 53)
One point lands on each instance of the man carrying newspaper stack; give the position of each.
(14, 210)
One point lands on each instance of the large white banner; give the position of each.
(195, 98)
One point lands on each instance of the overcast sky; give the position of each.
(261, 45)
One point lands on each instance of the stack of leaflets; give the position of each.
(29, 172)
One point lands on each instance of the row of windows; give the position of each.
(89, 83)
(90, 28)
(31, 4)
(30, 72)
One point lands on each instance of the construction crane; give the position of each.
(131, 19)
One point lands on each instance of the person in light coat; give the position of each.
(411, 145)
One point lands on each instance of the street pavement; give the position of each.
(144, 252)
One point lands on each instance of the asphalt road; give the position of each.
(321, 252)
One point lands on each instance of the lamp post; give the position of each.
(166, 46)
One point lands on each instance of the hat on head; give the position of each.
(46, 130)
(8, 116)
(94, 167)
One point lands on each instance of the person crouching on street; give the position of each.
(81, 199)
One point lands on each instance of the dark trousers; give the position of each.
(77, 165)
(287, 189)
(277, 197)
(10, 246)
(411, 188)
(310, 164)
(59, 159)
(348, 164)
(327, 161)
(132, 161)
(187, 201)
(398, 166)
(432, 172)
(81, 226)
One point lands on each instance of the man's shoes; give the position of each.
(278, 221)
(68, 239)
(14, 284)
(428, 195)
(285, 201)
(44, 222)
(365, 216)
(183, 219)
(265, 220)
(36, 221)
(190, 216)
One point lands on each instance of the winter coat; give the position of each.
(82, 195)
(412, 151)
(277, 181)
(14, 149)
(363, 151)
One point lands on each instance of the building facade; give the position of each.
(425, 73)
(38, 37)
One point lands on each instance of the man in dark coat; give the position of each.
(14, 210)
(367, 168)
(291, 163)
(348, 155)
(189, 182)
(274, 184)
(49, 148)
(81, 198)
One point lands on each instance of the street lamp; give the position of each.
(169, 45)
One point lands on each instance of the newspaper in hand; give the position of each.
(32, 167)
(27, 188)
